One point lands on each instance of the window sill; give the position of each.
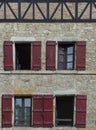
(46, 72)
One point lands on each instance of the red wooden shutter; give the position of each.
(80, 55)
(51, 55)
(36, 55)
(37, 111)
(7, 111)
(81, 111)
(43, 111)
(8, 55)
(48, 111)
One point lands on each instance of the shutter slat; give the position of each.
(36, 55)
(80, 55)
(8, 55)
(7, 111)
(51, 55)
(81, 111)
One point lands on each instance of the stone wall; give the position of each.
(62, 82)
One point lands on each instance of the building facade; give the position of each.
(47, 69)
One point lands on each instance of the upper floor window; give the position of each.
(26, 56)
(60, 56)
(23, 56)
(66, 55)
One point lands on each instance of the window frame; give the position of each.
(22, 108)
(14, 54)
(66, 44)
(74, 113)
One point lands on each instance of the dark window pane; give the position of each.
(61, 58)
(61, 66)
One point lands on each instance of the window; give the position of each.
(27, 55)
(65, 56)
(35, 111)
(64, 110)
(23, 56)
(22, 110)
(70, 55)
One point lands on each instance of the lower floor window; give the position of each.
(22, 111)
(64, 110)
(38, 111)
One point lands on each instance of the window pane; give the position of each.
(69, 58)
(18, 102)
(61, 58)
(61, 50)
(27, 102)
(61, 66)
(27, 112)
(69, 66)
(70, 50)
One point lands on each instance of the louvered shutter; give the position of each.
(7, 111)
(36, 55)
(48, 111)
(37, 111)
(80, 55)
(8, 55)
(51, 55)
(81, 111)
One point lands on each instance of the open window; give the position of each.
(70, 55)
(66, 56)
(23, 56)
(64, 110)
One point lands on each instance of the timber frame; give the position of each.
(47, 11)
